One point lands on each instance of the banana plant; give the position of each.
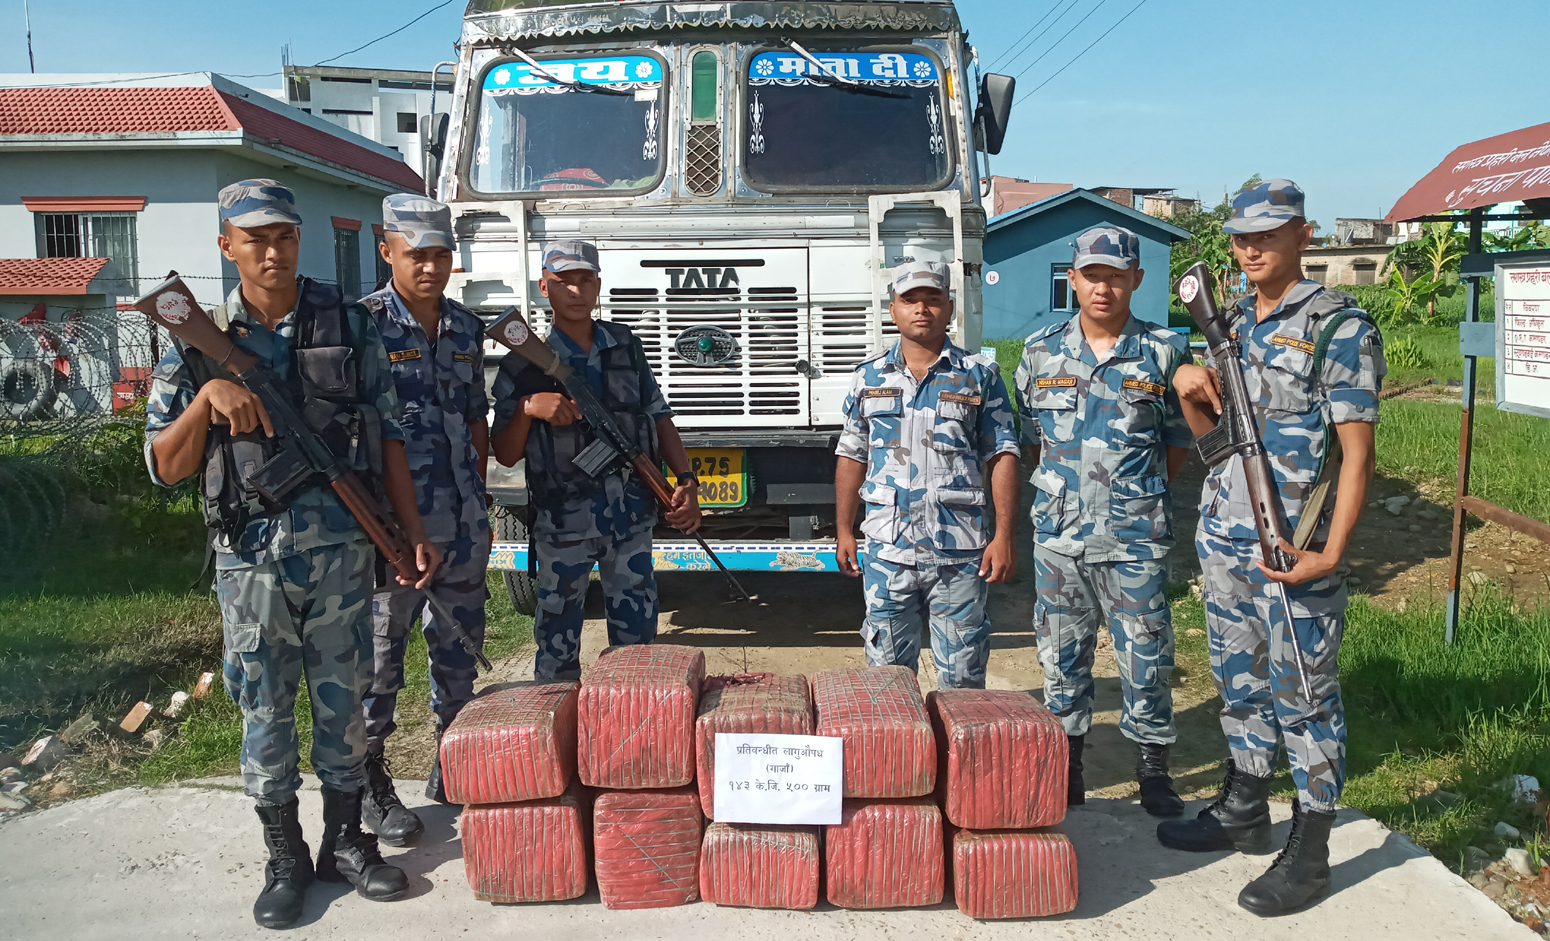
(1417, 293)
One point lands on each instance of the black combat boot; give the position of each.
(1158, 797)
(1238, 819)
(348, 854)
(289, 870)
(1301, 871)
(1076, 788)
(434, 789)
(381, 810)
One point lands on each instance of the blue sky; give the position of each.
(1353, 99)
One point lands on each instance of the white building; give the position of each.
(385, 105)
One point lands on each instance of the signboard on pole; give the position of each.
(1523, 338)
(779, 779)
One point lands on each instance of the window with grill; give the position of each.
(347, 261)
(702, 143)
(109, 235)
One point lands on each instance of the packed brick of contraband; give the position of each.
(889, 749)
(885, 854)
(1013, 873)
(535, 851)
(646, 847)
(1001, 759)
(751, 702)
(515, 742)
(636, 717)
(759, 866)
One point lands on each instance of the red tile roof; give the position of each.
(170, 110)
(48, 275)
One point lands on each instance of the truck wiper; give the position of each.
(572, 84)
(825, 77)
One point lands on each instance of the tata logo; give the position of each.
(705, 345)
(702, 278)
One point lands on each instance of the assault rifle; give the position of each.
(302, 453)
(1238, 433)
(611, 449)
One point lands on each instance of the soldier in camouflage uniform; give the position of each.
(293, 580)
(1100, 414)
(1313, 364)
(436, 350)
(926, 424)
(578, 522)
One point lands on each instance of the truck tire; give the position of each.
(522, 587)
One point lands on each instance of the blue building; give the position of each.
(1028, 251)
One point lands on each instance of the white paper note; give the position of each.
(781, 779)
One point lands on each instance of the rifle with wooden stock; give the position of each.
(302, 453)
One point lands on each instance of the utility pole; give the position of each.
(27, 18)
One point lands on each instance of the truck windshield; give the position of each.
(808, 131)
(598, 127)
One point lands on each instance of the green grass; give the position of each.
(1420, 439)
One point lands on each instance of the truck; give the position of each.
(748, 171)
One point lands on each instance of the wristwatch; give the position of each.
(689, 475)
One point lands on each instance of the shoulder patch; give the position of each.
(375, 303)
(403, 356)
(963, 397)
(879, 392)
(1055, 382)
(1156, 388)
(1296, 343)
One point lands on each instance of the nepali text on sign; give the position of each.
(779, 779)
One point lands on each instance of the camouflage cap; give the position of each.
(422, 221)
(571, 255)
(1265, 206)
(248, 204)
(1107, 245)
(920, 274)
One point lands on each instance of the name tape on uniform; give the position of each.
(1055, 382)
(401, 356)
(880, 393)
(1156, 388)
(779, 779)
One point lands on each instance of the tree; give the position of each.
(1530, 237)
(1442, 250)
(1415, 292)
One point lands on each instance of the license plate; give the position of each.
(723, 474)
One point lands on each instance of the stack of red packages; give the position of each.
(636, 739)
(510, 757)
(886, 851)
(754, 865)
(1003, 762)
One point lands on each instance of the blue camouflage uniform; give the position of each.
(577, 524)
(925, 444)
(441, 398)
(1102, 513)
(1252, 658)
(293, 586)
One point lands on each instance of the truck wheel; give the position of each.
(522, 587)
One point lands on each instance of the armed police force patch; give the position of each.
(461, 357)
(1156, 388)
(1293, 342)
(961, 397)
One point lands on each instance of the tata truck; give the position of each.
(748, 171)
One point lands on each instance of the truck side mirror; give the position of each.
(433, 143)
(994, 109)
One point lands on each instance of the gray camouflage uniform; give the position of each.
(1102, 513)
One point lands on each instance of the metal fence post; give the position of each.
(1466, 437)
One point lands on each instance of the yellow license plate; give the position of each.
(723, 474)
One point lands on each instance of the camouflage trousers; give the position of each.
(460, 587)
(1255, 667)
(1073, 598)
(901, 600)
(303, 614)
(629, 597)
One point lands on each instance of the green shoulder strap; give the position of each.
(1329, 464)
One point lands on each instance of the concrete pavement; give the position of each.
(186, 862)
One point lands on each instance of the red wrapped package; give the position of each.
(1002, 759)
(752, 702)
(886, 854)
(1013, 873)
(760, 866)
(636, 717)
(889, 750)
(514, 742)
(534, 851)
(646, 846)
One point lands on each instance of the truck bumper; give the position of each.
(687, 556)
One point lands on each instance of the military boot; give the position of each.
(348, 854)
(1238, 819)
(434, 789)
(381, 810)
(1300, 872)
(1076, 788)
(1158, 797)
(289, 870)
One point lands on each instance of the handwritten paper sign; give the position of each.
(783, 779)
